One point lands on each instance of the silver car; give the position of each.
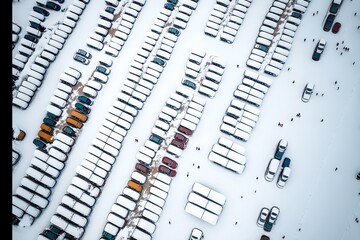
(262, 216)
(308, 90)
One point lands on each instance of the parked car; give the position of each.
(196, 234)
(81, 59)
(156, 139)
(41, 11)
(189, 83)
(336, 27)
(264, 237)
(308, 90)
(296, 15)
(169, 6)
(284, 173)
(103, 69)
(272, 217)
(19, 134)
(271, 169)
(173, 1)
(110, 9)
(169, 162)
(319, 49)
(39, 143)
(159, 61)
(264, 212)
(15, 157)
(335, 6)
(329, 22)
(181, 138)
(185, 130)
(53, 6)
(280, 149)
(167, 171)
(178, 144)
(84, 53)
(82, 108)
(37, 26)
(85, 100)
(174, 31)
(31, 38)
(69, 131)
(142, 168)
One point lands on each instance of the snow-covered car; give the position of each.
(196, 234)
(262, 216)
(283, 177)
(271, 169)
(308, 90)
(319, 49)
(280, 149)
(272, 217)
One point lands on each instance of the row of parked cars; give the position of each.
(242, 114)
(205, 203)
(266, 36)
(105, 147)
(104, 24)
(37, 71)
(158, 187)
(213, 76)
(274, 164)
(224, 10)
(331, 15)
(228, 154)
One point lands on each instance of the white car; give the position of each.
(308, 90)
(272, 169)
(283, 177)
(262, 217)
(196, 234)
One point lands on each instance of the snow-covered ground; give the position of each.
(316, 203)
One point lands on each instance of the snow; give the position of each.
(320, 201)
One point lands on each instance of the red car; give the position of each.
(178, 144)
(169, 162)
(336, 27)
(167, 171)
(264, 237)
(142, 168)
(181, 138)
(185, 130)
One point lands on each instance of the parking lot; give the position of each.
(320, 199)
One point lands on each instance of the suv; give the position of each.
(103, 69)
(185, 130)
(142, 168)
(85, 100)
(181, 138)
(169, 162)
(319, 49)
(49, 122)
(39, 143)
(196, 234)
(83, 53)
(69, 131)
(159, 61)
(81, 59)
(174, 31)
(178, 144)
(189, 83)
(335, 5)
(308, 90)
(271, 169)
(271, 219)
(280, 149)
(156, 139)
(284, 173)
(167, 171)
(329, 22)
(82, 108)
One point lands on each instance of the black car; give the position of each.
(334, 8)
(296, 15)
(39, 143)
(37, 26)
(69, 131)
(82, 108)
(41, 11)
(173, 1)
(31, 38)
(49, 234)
(85, 100)
(329, 22)
(169, 6)
(110, 9)
(159, 61)
(55, 229)
(52, 116)
(174, 31)
(52, 6)
(49, 121)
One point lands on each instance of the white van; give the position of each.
(137, 176)
(55, 44)
(37, 15)
(106, 15)
(256, 58)
(28, 43)
(146, 225)
(65, 139)
(47, 55)
(61, 146)
(68, 79)
(253, 64)
(116, 220)
(94, 43)
(34, 81)
(272, 70)
(101, 31)
(35, 74)
(270, 23)
(38, 68)
(276, 64)
(25, 51)
(100, 77)
(140, 235)
(104, 23)
(125, 202)
(114, 3)
(54, 110)
(227, 37)
(33, 31)
(279, 57)
(29, 85)
(88, 91)
(210, 32)
(111, 51)
(150, 215)
(174, 150)
(290, 26)
(190, 4)
(152, 207)
(65, 28)
(131, 193)
(158, 192)
(21, 58)
(85, 185)
(119, 210)
(263, 41)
